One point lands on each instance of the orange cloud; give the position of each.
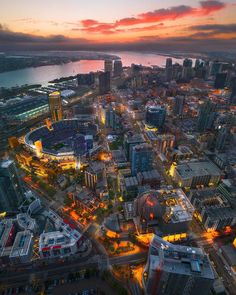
(165, 14)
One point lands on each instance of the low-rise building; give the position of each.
(131, 186)
(26, 109)
(57, 244)
(151, 177)
(162, 211)
(21, 251)
(128, 210)
(213, 209)
(94, 174)
(181, 153)
(86, 200)
(7, 235)
(25, 222)
(62, 242)
(193, 174)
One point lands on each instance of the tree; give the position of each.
(111, 248)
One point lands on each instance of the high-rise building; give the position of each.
(179, 105)
(86, 79)
(200, 69)
(233, 90)
(108, 117)
(206, 116)
(176, 73)
(94, 174)
(130, 141)
(169, 69)
(118, 69)
(165, 142)
(221, 138)
(141, 158)
(177, 270)
(55, 106)
(197, 63)
(187, 69)
(215, 67)
(220, 80)
(155, 116)
(168, 62)
(136, 69)
(11, 192)
(108, 66)
(104, 82)
(111, 118)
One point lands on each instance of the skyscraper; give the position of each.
(118, 69)
(111, 118)
(11, 193)
(200, 69)
(215, 67)
(220, 80)
(141, 158)
(130, 142)
(108, 117)
(179, 105)
(206, 116)
(55, 106)
(86, 79)
(155, 116)
(108, 66)
(177, 270)
(221, 138)
(104, 82)
(169, 69)
(233, 90)
(187, 69)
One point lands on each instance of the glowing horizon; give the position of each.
(76, 22)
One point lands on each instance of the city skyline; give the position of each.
(117, 147)
(75, 25)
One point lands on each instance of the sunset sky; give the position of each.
(77, 24)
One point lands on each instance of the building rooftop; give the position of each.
(55, 240)
(179, 259)
(183, 150)
(191, 169)
(26, 222)
(151, 135)
(24, 106)
(88, 199)
(142, 147)
(154, 109)
(61, 226)
(6, 226)
(119, 156)
(112, 222)
(5, 163)
(96, 167)
(149, 175)
(131, 181)
(135, 138)
(173, 206)
(21, 244)
(214, 203)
